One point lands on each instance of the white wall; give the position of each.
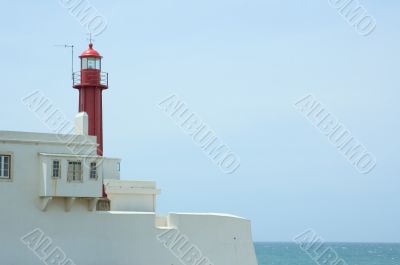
(102, 238)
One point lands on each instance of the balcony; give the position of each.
(92, 77)
(70, 177)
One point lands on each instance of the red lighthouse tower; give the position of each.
(91, 82)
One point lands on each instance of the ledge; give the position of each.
(131, 187)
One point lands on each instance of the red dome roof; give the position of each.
(90, 52)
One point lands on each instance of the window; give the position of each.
(74, 171)
(5, 162)
(91, 63)
(84, 63)
(119, 166)
(56, 169)
(98, 64)
(93, 170)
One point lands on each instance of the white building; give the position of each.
(54, 211)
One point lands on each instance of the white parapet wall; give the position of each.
(131, 196)
(217, 238)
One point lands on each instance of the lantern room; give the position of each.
(90, 59)
(90, 72)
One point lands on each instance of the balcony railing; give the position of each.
(90, 78)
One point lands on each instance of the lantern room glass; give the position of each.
(91, 63)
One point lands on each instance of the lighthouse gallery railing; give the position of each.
(91, 77)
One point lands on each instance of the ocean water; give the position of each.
(350, 253)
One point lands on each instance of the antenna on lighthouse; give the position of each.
(90, 37)
(72, 55)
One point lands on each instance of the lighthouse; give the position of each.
(91, 81)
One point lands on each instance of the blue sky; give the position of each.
(239, 65)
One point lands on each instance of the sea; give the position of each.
(347, 253)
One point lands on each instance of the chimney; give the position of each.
(81, 123)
